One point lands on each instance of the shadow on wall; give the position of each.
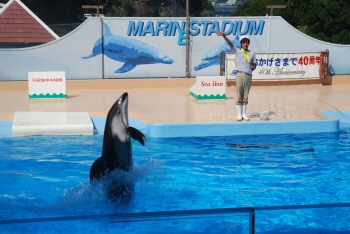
(63, 29)
(331, 70)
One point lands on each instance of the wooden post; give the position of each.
(274, 6)
(93, 7)
(324, 58)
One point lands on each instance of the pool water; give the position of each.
(49, 177)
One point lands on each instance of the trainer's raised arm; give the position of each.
(222, 34)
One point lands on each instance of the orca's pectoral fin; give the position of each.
(137, 135)
(125, 68)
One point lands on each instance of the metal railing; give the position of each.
(175, 215)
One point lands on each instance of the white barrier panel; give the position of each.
(209, 88)
(44, 85)
(274, 66)
(230, 66)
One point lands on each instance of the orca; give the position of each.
(117, 150)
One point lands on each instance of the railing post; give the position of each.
(222, 63)
(102, 49)
(252, 221)
(324, 64)
(187, 39)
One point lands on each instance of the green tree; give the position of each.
(258, 8)
(70, 11)
(220, 1)
(198, 6)
(326, 20)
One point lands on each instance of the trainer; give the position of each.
(245, 64)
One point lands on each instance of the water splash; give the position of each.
(81, 199)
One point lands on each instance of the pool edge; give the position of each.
(213, 129)
(245, 128)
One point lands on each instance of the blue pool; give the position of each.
(48, 177)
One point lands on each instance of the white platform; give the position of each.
(51, 123)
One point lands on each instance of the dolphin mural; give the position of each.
(212, 56)
(116, 150)
(129, 51)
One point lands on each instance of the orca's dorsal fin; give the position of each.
(137, 135)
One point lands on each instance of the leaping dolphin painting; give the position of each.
(129, 51)
(117, 151)
(212, 56)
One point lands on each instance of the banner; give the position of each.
(209, 88)
(47, 85)
(287, 66)
(275, 66)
